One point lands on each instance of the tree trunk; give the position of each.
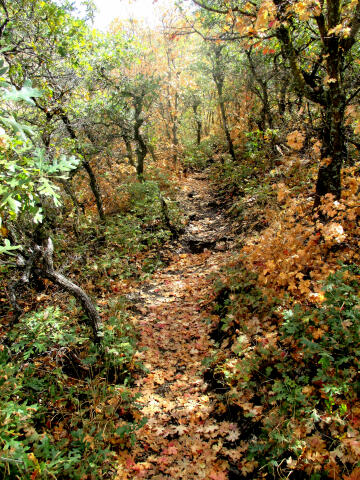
(141, 148)
(334, 149)
(129, 149)
(94, 188)
(282, 100)
(218, 77)
(164, 116)
(219, 86)
(151, 149)
(175, 140)
(330, 97)
(198, 132)
(262, 93)
(41, 263)
(85, 163)
(198, 123)
(173, 109)
(68, 189)
(266, 106)
(140, 154)
(219, 82)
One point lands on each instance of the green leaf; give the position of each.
(15, 205)
(3, 67)
(25, 93)
(38, 217)
(7, 249)
(22, 130)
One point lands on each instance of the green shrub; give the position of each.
(64, 401)
(295, 374)
(329, 338)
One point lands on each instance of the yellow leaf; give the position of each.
(265, 15)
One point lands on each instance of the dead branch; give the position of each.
(41, 263)
(50, 273)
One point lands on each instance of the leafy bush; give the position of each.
(127, 247)
(39, 332)
(258, 142)
(295, 377)
(65, 404)
(329, 337)
(198, 157)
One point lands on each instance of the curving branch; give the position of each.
(222, 12)
(40, 262)
(48, 271)
(6, 21)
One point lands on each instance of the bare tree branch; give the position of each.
(49, 272)
(222, 12)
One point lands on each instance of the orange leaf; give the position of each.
(172, 451)
(354, 475)
(218, 476)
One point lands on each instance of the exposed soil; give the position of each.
(182, 438)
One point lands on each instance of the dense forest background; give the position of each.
(253, 105)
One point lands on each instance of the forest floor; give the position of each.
(183, 438)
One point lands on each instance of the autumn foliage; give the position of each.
(289, 331)
(302, 246)
(198, 183)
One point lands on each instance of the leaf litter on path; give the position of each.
(182, 438)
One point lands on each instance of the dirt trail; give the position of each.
(182, 439)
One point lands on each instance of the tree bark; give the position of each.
(219, 86)
(173, 109)
(40, 262)
(141, 148)
(151, 149)
(68, 189)
(262, 93)
(128, 149)
(175, 128)
(94, 188)
(334, 150)
(195, 107)
(49, 272)
(282, 100)
(331, 98)
(85, 163)
(218, 76)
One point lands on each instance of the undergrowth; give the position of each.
(294, 373)
(66, 406)
(127, 248)
(289, 324)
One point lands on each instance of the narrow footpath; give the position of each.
(182, 438)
